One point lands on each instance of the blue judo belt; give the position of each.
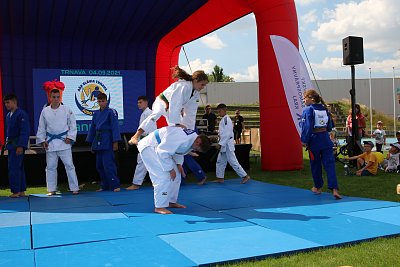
(56, 136)
(157, 135)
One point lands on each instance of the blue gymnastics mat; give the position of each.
(222, 223)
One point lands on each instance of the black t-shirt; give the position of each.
(237, 123)
(211, 118)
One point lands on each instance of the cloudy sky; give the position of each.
(322, 26)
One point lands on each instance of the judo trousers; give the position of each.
(321, 153)
(165, 190)
(140, 171)
(51, 169)
(228, 156)
(16, 172)
(107, 168)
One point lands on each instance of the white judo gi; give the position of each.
(140, 170)
(161, 151)
(227, 150)
(56, 122)
(169, 104)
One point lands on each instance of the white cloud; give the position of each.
(310, 17)
(250, 75)
(197, 64)
(377, 21)
(213, 41)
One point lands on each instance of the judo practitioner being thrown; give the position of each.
(56, 133)
(162, 152)
(104, 136)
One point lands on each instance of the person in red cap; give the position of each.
(54, 84)
(56, 133)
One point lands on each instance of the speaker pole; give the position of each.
(356, 149)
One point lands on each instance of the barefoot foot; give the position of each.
(14, 195)
(51, 193)
(176, 205)
(75, 193)
(99, 190)
(316, 191)
(133, 187)
(202, 181)
(117, 189)
(219, 180)
(162, 211)
(245, 179)
(336, 194)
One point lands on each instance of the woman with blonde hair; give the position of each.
(315, 128)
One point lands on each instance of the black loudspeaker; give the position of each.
(353, 51)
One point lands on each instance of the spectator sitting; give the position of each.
(392, 163)
(367, 162)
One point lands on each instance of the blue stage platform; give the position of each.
(222, 223)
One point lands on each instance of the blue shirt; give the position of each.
(104, 130)
(18, 130)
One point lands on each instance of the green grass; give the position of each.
(378, 252)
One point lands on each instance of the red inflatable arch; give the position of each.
(280, 144)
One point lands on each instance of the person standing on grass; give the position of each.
(238, 127)
(380, 136)
(17, 138)
(104, 136)
(315, 127)
(227, 148)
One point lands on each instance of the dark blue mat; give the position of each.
(43, 202)
(14, 205)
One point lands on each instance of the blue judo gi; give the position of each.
(190, 163)
(104, 131)
(320, 146)
(17, 127)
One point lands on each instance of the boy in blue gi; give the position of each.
(17, 124)
(104, 135)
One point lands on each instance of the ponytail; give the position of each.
(198, 75)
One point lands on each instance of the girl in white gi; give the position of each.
(227, 148)
(182, 94)
(56, 133)
(162, 152)
(140, 170)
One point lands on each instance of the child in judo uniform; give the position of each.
(315, 128)
(104, 136)
(56, 133)
(226, 146)
(183, 94)
(17, 133)
(140, 170)
(162, 152)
